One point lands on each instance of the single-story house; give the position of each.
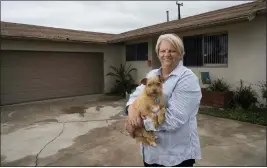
(39, 63)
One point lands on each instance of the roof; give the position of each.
(15, 30)
(222, 16)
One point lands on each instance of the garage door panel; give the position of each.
(28, 76)
(46, 83)
(37, 95)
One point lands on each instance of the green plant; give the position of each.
(255, 116)
(218, 85)
(263, 87)
(245, 96)
(124, 79)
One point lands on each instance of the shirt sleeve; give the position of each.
(183, 104)
(135, 94)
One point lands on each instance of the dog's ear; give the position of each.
(143, 81)
(161, 79)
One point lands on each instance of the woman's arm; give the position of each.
(134, 95)
(183, 104)
(133, 114)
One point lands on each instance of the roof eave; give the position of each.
(242, 18)
(49, 39)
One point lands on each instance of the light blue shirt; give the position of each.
(178, 138)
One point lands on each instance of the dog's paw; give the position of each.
(153, 138)
(153, 144)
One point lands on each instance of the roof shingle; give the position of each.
(16, 30)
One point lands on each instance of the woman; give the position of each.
(178, 138)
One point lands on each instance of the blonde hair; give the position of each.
(175, 40)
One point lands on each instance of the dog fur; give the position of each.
(145, 103)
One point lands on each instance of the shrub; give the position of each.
(257, 116)
(124, 81)
(245, 96)
(218, 85)
(133, 87)
(263, 90)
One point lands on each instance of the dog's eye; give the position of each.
(158, 84)
(149, 85)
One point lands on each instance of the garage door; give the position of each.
(30, 75)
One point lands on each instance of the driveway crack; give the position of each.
(37, 156)
(109, 125)
(62, 130)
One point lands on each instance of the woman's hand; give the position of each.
(130, 129)
(134, 117)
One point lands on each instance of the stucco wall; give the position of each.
(246, 53)
(112, 53)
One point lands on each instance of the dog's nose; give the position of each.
(154, 90)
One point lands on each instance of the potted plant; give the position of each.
(217, 94)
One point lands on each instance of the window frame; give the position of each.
(139, 55)
(203, 36)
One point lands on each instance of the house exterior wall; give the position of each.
(141, 66)
(112, 53)
(246, 53)
(155, 59)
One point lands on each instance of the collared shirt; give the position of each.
(178, 139)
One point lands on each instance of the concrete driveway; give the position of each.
(89, 131)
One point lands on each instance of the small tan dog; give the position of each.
(150, 103)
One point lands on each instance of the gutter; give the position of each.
(50, 39)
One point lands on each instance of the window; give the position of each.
(206, 50)
(193, 51)
(137, 52)
(215, 49)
